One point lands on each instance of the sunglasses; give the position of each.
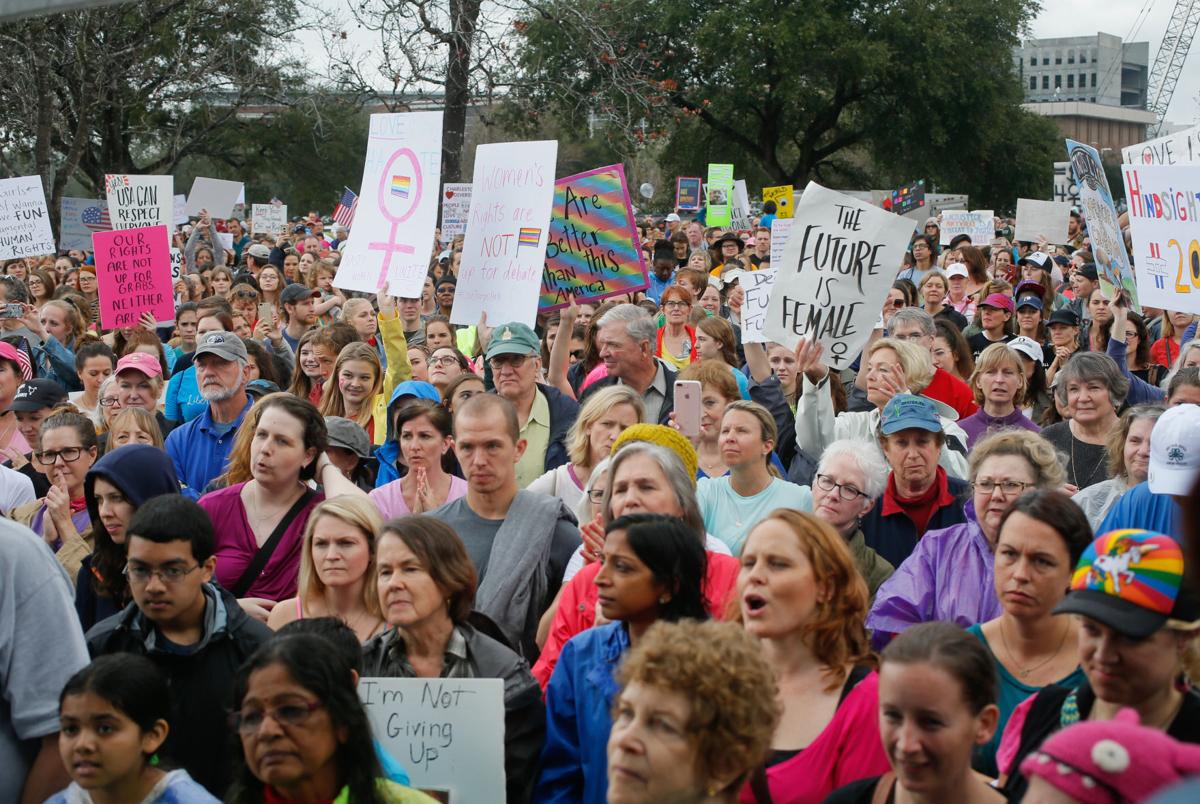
(247, 294)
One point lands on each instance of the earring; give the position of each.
(662, 601)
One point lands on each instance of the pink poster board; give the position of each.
(133, 273)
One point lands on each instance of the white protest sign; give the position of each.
(1065, 188)
(979, 225)
(136, 202)
(757, 288)
(835, 273)
(456, 206)
(1046, 219)
(781, 230)
(1164, 218)
(504, 253)
(78, 219)
(1181, 148)
(268, 219)
(181, 216)
(741, 205)
(447, 733)
(24, 220)
(226, 240)
(397, 208)
(176, 264)
(218, 196)
(1103, 226)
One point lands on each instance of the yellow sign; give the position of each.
(782, 196)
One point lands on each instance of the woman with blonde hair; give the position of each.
(603, 416)
(316, 355)
(999, 386)
(337, 568)
(133, 426)
(221, 280)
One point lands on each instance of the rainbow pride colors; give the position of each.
(529, 237)
(1137, 566)
(401, 186)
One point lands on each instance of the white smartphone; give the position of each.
(687, 407)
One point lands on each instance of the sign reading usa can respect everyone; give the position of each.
(835, 272)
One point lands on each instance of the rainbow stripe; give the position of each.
(529, 237)
(401, 186)
(1152, 575)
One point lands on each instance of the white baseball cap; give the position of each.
(1028, 347)
(673, 218)
(956, 269)
(1175, 451)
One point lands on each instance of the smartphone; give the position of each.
(12, 310)
(265, 311)
(687, 407)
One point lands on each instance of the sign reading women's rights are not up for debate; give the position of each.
(836, 271)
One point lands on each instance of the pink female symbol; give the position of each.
(400, 188)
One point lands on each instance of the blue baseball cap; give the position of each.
(909, 412)
(1030, 301)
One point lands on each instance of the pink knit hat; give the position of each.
(1112, 760)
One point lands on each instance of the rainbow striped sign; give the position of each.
(401, 186)
(594, 250)
(529, 237)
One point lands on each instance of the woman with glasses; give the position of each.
(109, 397)
(949, 574)
(676, 342)
(244, 299)
(849, 481)
(445, 365)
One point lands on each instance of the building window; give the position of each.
(1033, 61)
(1093, 80)
(1071, 81)
(1082, 80)
(1033, 82)
(1045, 82)
(1083, 56)
(1070, 57)
(1045, 61)
(1058, 82)
(1058, 57)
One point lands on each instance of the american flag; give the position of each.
(96, 218)
(343, 213)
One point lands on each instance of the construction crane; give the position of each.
(1169, 61)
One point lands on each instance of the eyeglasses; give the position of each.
(676, 303)
(596, 495)
(136, 573)
(110, 402)
(1008, 488)
(444, 360)
(844, 490)
(577, 354)
(911, 336)
(50, 457)
(512, 361)
(247, 294)
(250, 721)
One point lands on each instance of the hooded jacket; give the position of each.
(388, 452)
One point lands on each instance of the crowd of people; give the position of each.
(705, 570)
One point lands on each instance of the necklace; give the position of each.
(268, 515)
(1024, 672)
(1075, 466)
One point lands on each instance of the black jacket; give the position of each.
(201, 681)
(563, 412)
(668, 406)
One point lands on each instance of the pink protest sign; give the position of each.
(133, 274)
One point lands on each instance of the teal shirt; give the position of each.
(730, 516)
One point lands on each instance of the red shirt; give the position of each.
(919, 509)
(945, 387)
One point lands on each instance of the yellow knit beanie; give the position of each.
(663, 436)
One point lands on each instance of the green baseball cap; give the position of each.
(513, 339)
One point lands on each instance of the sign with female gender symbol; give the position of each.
(397, 210)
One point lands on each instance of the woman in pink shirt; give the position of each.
(425, 431)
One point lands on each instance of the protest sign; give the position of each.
(909, 197)
(133, 275)
(504, 253)
(756, 285)
(137, 202)
(594, 250)
(1181, 148)
(835, 273)
(397, 208)
(1108, 243)
(719, 188)
(1048, 219)
(215, 195)
(181, 216)
(979, 225)
(176, 264)
(456, 206)
(268, 219)
(447, 733)
(24, 220)
(1065, 188)
(1164, 219)
(687, 193)
(740, 209)
(781, 230)
(78, 218)
(782, 196)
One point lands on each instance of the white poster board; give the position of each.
(1166, 234)
(218, 196)
(835, 273)
(512, 196)
(176, 264)
(781, 230)
(181, 216)
(24, 219)
(1065, 188)
(741, 205)
(78, 219)
(447, 733)
(397, 208)
(757, 287)
(979, 225)
(1048, 219)
(136, 202)
(456, 206)
(268, 219)
(1181, 148)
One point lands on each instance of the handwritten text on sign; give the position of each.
(139, 201)
(594, 249)
(133, 275)
(24, 220)
(757, 288)
(835, 272)
(448, 733)
(1164, 217)
(1104, 229)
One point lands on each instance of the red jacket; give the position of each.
(945, 387)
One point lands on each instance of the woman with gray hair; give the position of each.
(1128, 462)
(1092, 388)
(849, 481)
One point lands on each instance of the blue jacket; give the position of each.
(199, 454)
(579, 699)
(388, 453)
(1141, 508)
(895, 536)
(56, 361)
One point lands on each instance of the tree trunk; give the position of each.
(464, 16)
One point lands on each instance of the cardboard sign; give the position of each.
(757, 286)
(782, 196)
(397, 208)
(24, 219)
(1108, 243)
(78, 219)
(594, 249)
(138, 202)
(909, 197)
(1048, 219)
(268, 219)
(456, 209)
(740, 211)
(979, 225)
(1163, 204)
(181, 216)
(835, 273)
(176, 264)
(504, 253)
(133, 274)
(447, 733)
(215, 195)
(720, 195)
(781, 231)
(1065, 188)
(1181, 148)
(687, 193)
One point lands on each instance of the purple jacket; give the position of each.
(979, 424)
(948, 577)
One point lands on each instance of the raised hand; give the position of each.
(808, 360)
